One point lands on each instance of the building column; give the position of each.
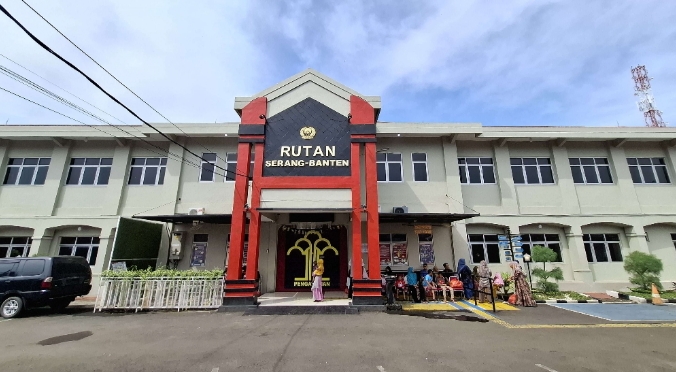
(373, 224)
(636, 236)
(255, 219)
(578, 256)
(564, 177)
(454, 198)
(356, 214)
(505, 181)
(58, 170)
(618, 160)
(42, 242)
(117, 181)
(460, 244)
(240, 291)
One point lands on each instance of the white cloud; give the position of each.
(524, 62)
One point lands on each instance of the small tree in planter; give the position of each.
(508, 287)
(644, 269)
(544, 255)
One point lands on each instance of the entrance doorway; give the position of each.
(298, 249)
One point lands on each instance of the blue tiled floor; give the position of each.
(624, 312)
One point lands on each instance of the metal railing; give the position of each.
(490, 288)
(161, 293)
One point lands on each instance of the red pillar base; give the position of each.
(240, 293)
(367, 292)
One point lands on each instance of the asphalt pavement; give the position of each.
(210, 341)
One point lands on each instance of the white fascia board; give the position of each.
(386, 129)
(582, 133)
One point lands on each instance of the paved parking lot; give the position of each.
(209, 341)
(624, 312)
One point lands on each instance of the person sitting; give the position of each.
(444, 285)
(400, 285)
(447, 272)
(411, 280)
(429, 285)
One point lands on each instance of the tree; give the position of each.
(644, 269)
(544, 255)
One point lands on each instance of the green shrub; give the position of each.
(644, 269)
(544, 255)
(163, 273)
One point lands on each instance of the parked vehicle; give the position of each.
(42, 281)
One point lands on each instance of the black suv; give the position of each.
(42, 281)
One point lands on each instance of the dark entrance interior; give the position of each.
(297, 249)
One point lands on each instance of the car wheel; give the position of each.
(11, 307)
(59, 305)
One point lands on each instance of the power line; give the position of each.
(34, 73)
(93, 82)
(116, 79)
(110, 134)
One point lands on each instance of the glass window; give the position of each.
(419, 160)
(26, 171)
(147, 171)
(590, 170)
(207, 169)
(546, 240)
(390, 167)
(86, 247)
(18, 246)
(532, 170)
(230, 166)
(476, 170)
(33, 267)
(484, 247)
(393, 249)
(602, 247)
(648, 170)
(89, 171)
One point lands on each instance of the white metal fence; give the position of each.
(162, 293)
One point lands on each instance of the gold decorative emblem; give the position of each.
(311, 251)
(307, 133)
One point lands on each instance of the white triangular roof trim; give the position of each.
(305, 79)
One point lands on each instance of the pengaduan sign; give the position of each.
(307, 139)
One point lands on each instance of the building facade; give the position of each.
(309, 172)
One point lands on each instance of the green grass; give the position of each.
(648, 295)
(560, 296)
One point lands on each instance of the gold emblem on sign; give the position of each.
(307, 133)
(311, 251)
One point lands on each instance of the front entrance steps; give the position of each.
(292, 303)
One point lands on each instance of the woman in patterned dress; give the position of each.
(524, 297)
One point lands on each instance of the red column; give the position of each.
(238, 225)
(255, 221)
(373, 224)
(356, 212)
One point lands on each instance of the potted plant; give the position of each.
(508, 288)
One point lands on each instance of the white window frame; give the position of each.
(73, 246)
(21, 168)
(481, 166)
(485, 247)
(25, 247)
(233, 172)
(213, 172)
(605, 242)
(653, 166)
(387, 168)
(144, 166)
(596, 169)
(84, 167)
(538, 166)
(545, 243)
(414, 162)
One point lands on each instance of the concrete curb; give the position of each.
(568, 302)
(636, 299)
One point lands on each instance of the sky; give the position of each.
(522, 62)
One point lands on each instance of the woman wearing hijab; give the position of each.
(524, 297)
(466, 277)
(317, 294)
(484, 282)
(411, 280)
